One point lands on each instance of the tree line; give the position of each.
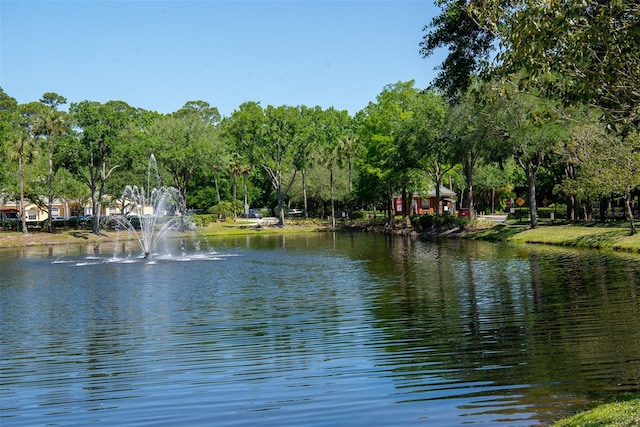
(552, 115)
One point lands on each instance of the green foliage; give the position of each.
(440, 222)
(469, 45)
(91, 155)
(559, 212)
(223, 209)
(577, 51)
(202, 220)
(8, 122)
(186, 143)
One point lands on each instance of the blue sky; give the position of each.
(157, 55)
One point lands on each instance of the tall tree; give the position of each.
(133, 154)
(308, 140)
(185, 142)
(239, 168)
(606, 164)
(532, 128)
(279, 138)
(269, 137)
(335, 125)
(386, 156)
(90, 155)
(241, 132)
(51, 124)
(26, 148)
(429, 146)
(468, 133)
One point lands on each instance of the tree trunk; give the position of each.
(390, 210)
(493, 200)
(570, 173)
(245, 205)
(21, 185)
(304, 194)
(215, 181)
(603, 209)
(533, 207)
(280, 199)
(404, 207)
(333, 207)
(437, 177)
(235, 193)
(632, 225)
(350, 188)
(50, 193)
(570, 201)
(472, 208)
(468, 173)
(95, 207)
(438, 204)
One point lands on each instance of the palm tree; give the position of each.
(51, 123)
(24, 149)
(235, 170)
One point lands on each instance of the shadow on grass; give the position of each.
(79, 234)
(606, 239)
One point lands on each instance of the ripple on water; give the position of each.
(313, 332)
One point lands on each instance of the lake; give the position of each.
(314, 329)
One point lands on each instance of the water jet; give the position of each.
(149, 215)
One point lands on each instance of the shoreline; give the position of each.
(617, 239)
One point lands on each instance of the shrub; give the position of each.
(560, 212)
(203, 220)
(357, 215)
(430, 221)
(223, 209)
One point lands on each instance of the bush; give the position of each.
(560, 212)
(223, 210)
(203, 220)
(357, 215)
(431, 221)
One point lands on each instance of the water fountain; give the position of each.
(155, 212)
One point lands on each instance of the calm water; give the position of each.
(314, 330)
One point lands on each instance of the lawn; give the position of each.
(622, 413)
(579, 236)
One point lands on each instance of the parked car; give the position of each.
(10, 215)
(79, 220)
(253, 214)
(463, 213)
(295, 212)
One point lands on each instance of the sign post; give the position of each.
(520, 202)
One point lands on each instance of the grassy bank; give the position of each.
(576, 236)
(622, 413)
(13, 239)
